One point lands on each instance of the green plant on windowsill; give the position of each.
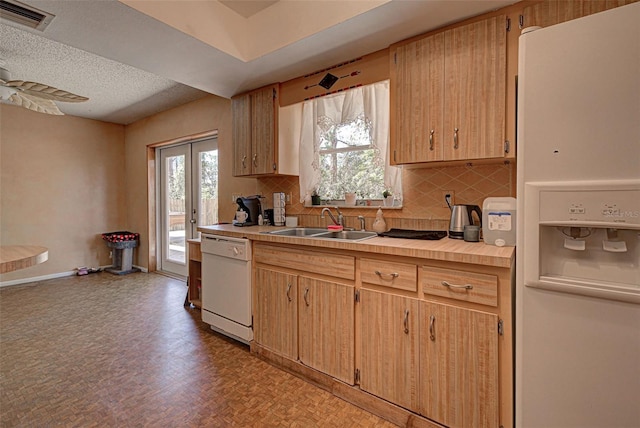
(315, 198)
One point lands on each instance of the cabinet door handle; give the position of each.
(455, 138)
(255, 159)
(432, 327)
(465, 286)
(431, 139)
(244, 161)
(391, 275)
(306, 294)
(289, 291)
(406, 321)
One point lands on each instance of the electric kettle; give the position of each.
(461, 217)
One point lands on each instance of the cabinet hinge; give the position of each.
(507, 146)
(356, 377)
(500, 327)
(395, 58)
(521, 21)
(357, 296)
(275, 93)
(508, 24)
(275, 166)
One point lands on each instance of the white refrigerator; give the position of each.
(578, 236)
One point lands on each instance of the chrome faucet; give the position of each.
(339, 221)
(361, 218)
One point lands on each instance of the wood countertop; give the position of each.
(446, 249)
(15, 257)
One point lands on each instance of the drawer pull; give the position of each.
(406, 321)
(465, 286)
(392, 275)
(432, 327)
(306, 295)
(289, 291)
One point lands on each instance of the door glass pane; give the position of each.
(176, 241)
(208, 180)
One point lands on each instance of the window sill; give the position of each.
(360, 204)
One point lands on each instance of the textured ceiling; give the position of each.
(132, 65)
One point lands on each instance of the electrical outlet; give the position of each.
(288, 199)
(448, 194)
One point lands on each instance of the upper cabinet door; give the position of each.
(255, 120)
(263, 140)
(241, 112)
(475, 79)
(418, 91)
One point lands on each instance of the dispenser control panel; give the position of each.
(608, 206)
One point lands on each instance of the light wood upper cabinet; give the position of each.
(255, 121)
(327, 327)
(448, 94)
(389, 345)
(276, 312)
(551, 12)
(459, 357)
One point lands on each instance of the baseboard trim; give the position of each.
(36, 278)
(52, 276)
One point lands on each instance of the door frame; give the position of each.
(152, 191)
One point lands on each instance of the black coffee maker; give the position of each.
(251, 205)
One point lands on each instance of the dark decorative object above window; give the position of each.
(328, 81)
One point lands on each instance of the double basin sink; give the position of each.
(312, 232)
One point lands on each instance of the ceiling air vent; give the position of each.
(23, 14)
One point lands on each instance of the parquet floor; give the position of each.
(121, 351)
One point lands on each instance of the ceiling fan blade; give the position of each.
(44, 91)
(35, 103)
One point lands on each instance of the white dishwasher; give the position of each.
(226, 286)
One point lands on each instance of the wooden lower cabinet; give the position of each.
(326, 327)
(459, 366)
(389, 345)
(425, 340)
(275, 324)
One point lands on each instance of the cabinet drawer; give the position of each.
(460, 285)
(402, 276)
(338, 266)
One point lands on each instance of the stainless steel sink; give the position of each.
(347, 235)
(299, 231)
(312, 232)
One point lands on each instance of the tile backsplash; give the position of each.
(423, 205)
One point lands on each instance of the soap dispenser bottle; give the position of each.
(379, 225)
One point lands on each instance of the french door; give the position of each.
(188, 197)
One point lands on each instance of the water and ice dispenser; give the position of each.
(585, 238)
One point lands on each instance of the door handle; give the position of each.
(431, 139)
(289, 291)
(306, 295)
(406, 321)
(455, 138)
(432, 327)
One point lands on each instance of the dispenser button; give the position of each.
(576, 210)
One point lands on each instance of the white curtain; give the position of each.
(318, 114)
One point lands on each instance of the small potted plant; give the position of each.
(388, 198)
(315, 198)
